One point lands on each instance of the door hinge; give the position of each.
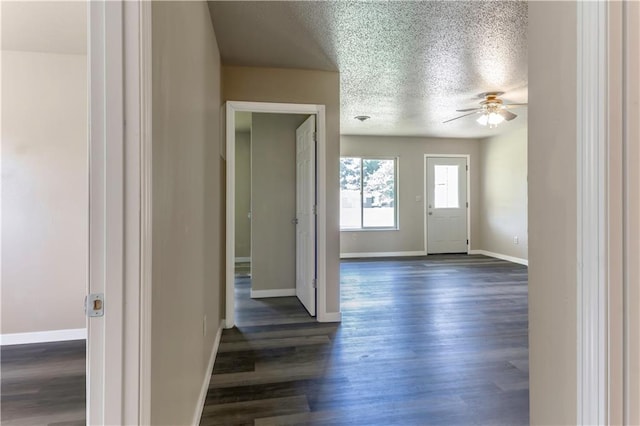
(315, 136)
(94, 305)
(467, 204)
(315, 209)
(314, 283)
(467, 167)
(467, 242)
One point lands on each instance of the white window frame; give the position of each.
(396, 201)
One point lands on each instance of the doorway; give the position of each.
(447, 209)
(285, 208)
(275, 195)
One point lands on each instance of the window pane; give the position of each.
(446, 187)
(378, 193)
(350, 192)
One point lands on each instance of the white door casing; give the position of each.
(319, 112)
(305, 217)
(119, 63)
(446, 183)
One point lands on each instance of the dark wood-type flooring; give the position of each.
(43, 384)
(424, 341)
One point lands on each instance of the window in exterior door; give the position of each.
(446, 187)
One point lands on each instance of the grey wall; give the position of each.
(503, 194)
(187, 203)
(410, 153)
(308, 87)
(552, 212)
(243, 195)
(44, 191)
(273, 199)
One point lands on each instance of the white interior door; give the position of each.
(306, 221)
(446, 205)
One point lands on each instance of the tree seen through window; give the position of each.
(367, 193)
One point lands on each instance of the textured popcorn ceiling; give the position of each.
(408, 65)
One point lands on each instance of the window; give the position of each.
(368, 197)
(445, 194)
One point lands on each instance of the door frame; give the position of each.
(607, 274)
(119, 88)
(425, 195)
(231, 108)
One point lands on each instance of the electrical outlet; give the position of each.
(515, 240)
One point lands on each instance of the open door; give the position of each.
(305, 214)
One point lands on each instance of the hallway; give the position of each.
(437, 340)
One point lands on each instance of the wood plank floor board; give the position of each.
(426, 340)
(43, 383)
(245, 412)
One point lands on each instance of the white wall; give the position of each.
(187, 203)
(503, 194)
(409, 238)
(44, 191)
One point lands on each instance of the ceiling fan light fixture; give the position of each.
(491, 119)
(491, 115)
(483, 119)
(494, 119)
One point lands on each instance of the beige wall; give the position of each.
(503, 194)
(243, 195)
(44, 191)
(273, 199)
(632, 211)
(309, 87)
(552, 212)
(187, 200)
(410, 153)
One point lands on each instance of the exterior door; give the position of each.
(446, 205)
(305, 215)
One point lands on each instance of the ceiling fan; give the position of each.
(494, 111)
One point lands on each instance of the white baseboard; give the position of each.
(43, 336)
(382, 254)
(243, 259)
(281, 292)
(207, 378)
(501, 256)
(330, 317)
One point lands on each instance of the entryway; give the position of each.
(447, 212)
(275, 222)
(273, 213)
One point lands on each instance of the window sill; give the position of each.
(369, 229)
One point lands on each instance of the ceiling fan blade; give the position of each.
(514, 105)
(468, 109)
(471, 113)
(507, 115)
